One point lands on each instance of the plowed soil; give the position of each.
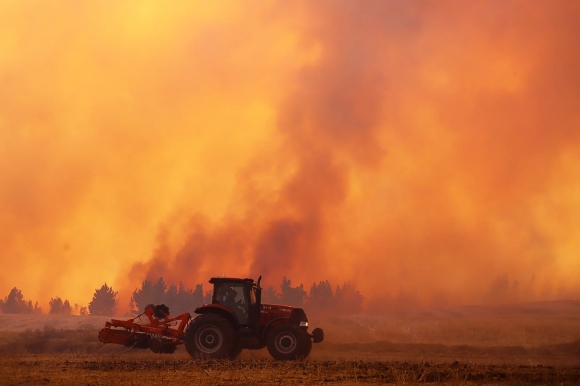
(67, 369)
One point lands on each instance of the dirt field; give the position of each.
(536, 343)
(67, 369)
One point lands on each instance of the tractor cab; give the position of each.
(241, 296)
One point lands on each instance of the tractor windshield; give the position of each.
(232, 296)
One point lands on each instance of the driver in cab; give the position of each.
(227, 297)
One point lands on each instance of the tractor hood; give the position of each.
(279, 308)
(295, 314)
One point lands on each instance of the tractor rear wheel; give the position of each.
(210, 336)
(288, 342)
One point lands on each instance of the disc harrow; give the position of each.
(161, 335)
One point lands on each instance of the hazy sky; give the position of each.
(420, 145)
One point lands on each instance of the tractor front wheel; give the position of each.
(210, 336)
(307, 345)
(288, 342)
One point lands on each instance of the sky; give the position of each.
(418, 147)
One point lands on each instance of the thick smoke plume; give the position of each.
(407, 147)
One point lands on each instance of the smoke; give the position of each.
(406, 147)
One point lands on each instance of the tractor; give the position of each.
(236, 319)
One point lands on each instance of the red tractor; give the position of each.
(236, 319)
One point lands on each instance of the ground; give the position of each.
(533, 343)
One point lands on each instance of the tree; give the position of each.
(292, 296)
(36, 309)
(207, 297)
(348, 299)
(172, 300)
(66, 308)
(197, 298)
(141, 297)
(159, 291)
(321, 297)
(502, 292)
(269, 295)
(178, 299)
(149, 293)
(58, 307)
(104, 301)
(14, 303)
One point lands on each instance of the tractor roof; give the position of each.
(215, 280)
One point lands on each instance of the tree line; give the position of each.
(104, 303)
(321, 299)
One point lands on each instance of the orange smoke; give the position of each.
(417, 146)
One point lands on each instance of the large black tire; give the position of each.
(288, 342)
(210, 336)
(307, 345)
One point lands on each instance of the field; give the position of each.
(533, 343)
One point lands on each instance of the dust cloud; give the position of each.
(409, 148)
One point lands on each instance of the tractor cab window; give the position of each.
(232, 296)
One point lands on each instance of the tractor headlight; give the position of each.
(303, 324)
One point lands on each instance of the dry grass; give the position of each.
(526, 325)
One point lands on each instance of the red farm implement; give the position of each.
(161, 335)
